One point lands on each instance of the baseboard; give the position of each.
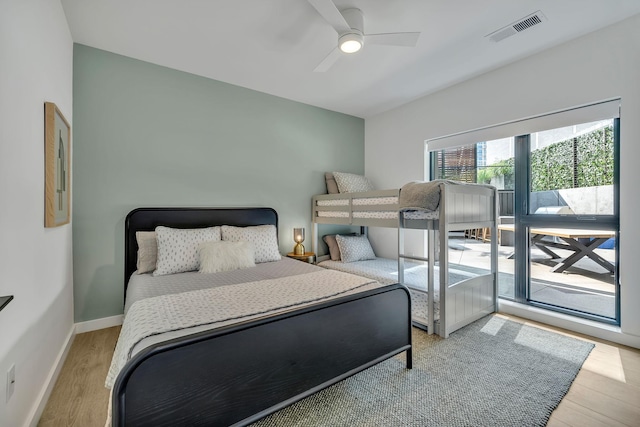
(45, 393)
(571, 323)
(94, 325)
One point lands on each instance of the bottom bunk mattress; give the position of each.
(385, 271)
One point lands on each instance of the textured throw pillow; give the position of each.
(225, 256)
(352, 183)
(355, 248)
(178, 248)
(147, 251)
(263, 237)
(332, 187)
(334, 250)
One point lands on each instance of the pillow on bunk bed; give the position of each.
(355, 248)
(334, 250)
(147, 251)
(352, 183)
(332, 187)
(263, 237)
(178, 248)
(225, 256)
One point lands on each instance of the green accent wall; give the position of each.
(146, 135)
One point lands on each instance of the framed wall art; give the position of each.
(57, 158)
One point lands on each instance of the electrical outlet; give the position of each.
(11, 381)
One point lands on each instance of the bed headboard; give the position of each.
(147, 219)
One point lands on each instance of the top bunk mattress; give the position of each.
(365, 206)
(416, 201)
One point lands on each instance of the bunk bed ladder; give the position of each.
(431, 256)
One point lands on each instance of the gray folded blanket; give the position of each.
(421, 195)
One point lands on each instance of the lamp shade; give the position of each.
(298, 237)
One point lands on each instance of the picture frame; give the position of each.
(57, 159)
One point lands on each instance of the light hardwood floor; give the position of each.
(79, 397)
(606, 391)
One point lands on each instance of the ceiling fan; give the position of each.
(349, 24)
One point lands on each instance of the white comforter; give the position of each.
(156, 315)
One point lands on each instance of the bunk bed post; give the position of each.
(314, 238)
(400, 247)
(494, 248)
(443, 261)
(431, 262)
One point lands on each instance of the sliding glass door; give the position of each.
(569, 220)
(557, 214)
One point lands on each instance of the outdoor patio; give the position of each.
(585, 286)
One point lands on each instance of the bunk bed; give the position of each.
(459, 207)
(242, 368)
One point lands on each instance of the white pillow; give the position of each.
(354, 248)
(263, 237)
(352, 183)
(225, 256)
(147, 251)
(178, 248)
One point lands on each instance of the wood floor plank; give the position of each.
(609, 368)
(575, 415)
(632, 377)
(79, 397)
(610, 407)
(622, 391)
(555, 422)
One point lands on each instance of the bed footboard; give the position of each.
(239, 374)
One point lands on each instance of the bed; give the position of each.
(237, 371)
(457, 207)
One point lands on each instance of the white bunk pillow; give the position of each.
(178, 248)
(354, 248)
(352, 183)
(225, 256)
(334, 250)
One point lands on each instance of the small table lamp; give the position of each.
(298, 237)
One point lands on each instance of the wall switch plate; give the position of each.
(11, 381)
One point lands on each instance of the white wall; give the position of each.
(598, 66)
(35, 262)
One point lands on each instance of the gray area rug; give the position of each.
(494, 372)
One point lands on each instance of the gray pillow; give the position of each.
(147, 251)
(332, 187)
(355, 248)
(334, 251)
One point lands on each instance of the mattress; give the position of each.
(385, 271)
(389, 203)
(142, 286)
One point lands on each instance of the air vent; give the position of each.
(518, 26)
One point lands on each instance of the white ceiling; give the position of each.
(273, 45)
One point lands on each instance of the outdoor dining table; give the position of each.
(581, 242)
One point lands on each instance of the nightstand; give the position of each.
(309, 257)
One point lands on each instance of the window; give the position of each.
(558, 206)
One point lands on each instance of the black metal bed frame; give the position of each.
(237, 374)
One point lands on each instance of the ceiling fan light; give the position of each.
(351, 42)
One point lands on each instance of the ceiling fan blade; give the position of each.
(328, 61)
(393, 39)
(331, 14)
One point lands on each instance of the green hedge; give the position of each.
(585, 161)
